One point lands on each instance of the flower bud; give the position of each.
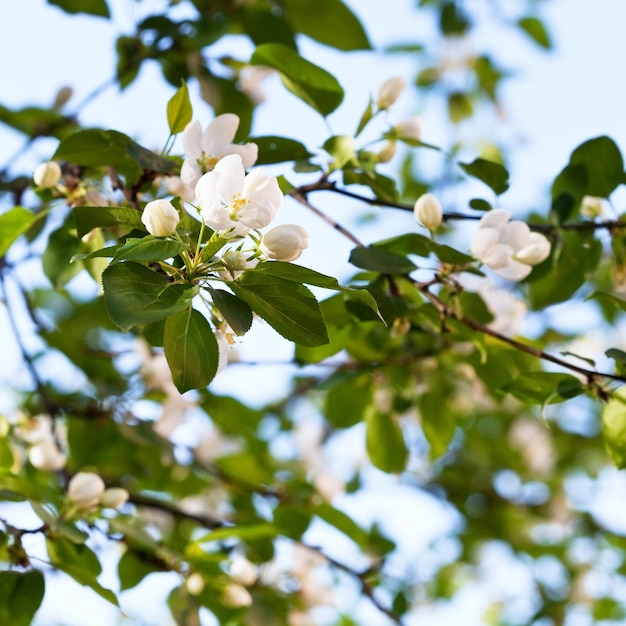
(85, 490)
(389, 91)
(195, 584)
(285, 242)
(409, 129)
(235, 260)
(160, 218)
(243, 571)
(235, 596)
(386, 153)
(47, 174)
(46, 456)
(114, 498)
(428, 212)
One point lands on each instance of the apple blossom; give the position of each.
(508, 247)
(235, 596)
(160, 218)
(203, 150)
(45, 455)
(250, 79)
(233, 202)
(243, 571)
(386, 153)
(34, 429)
(285, 242)
(428, 211)
(114, 498)
(47, 174)
(389, 92)
(85, 490)
(194, 584)
(409, 129)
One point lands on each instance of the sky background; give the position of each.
(556, 101)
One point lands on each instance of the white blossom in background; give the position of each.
(173, 412)
(409, 129)
(428, 211)
(195, 584)
(160, 218)
(45, 455)
(114, 498)
(213, 444)
(507, 310)
(176, 187)
(203, 150)
(387, 152)
(85, 490)
(235, 596)
(47, 174)
(592, 206)
(508, 247)
(390, 91)
(285, 242)
(243, 571)
(250, 79)
(533, 441)
(34, 429)
(232, 202)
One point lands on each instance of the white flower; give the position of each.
(203, 150)
(45, 455)
(409, 129)
(389, 91)
(386, 153)
(243, 571)
(234, 203)
(592, 206)
(47, 174)
(508, 248)
(285, 242)
(160, 218)
(35, 429)
(114, 498)
(428, 211)
(85, 490)
(195, 584)
(176, 187)
(250, 79)
(235, 596)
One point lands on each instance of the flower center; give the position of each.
(237, 203)
(207, 162)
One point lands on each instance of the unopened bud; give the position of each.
(114, 498)
(386, 153)
(389, 91)
(243, 571)
(285, 242)
(235, 596)
(85, 490)
(160, 218)
(47, 174)
(409, 129)
(428, 212)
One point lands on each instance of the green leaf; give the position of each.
(492, 174)
(438, 422)
(343, 523)
(98, 8)
(248, 532)
(236, 312)
(98, 148)
(414, 243)
(80, 563)
(536, 30)
(312, 84)
(380, 260)
(368, 114)
(604, 164)
(13, 223)
(62, 246)
(134, 566)
(614, 427)
(148, 160)
(384, 188)
(179, 110)
(478, 204)
(384, 441)
(149, 249)
(20, 596)
(134, 294)
(290, 308)
(544, 387)
(273, 149)
(191, 350)
(342, 149)
(86, 218)
(346, 402)
(330, 22)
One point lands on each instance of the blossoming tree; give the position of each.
(413, 370)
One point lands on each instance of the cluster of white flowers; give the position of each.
(43, 452)
(508, 247)
(86, 491)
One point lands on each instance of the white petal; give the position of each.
(482, 241)
(230, 178)
(219, 134)
(190, 173)
(496, 218)
(249, 153)
(498, 256)
(515, 234)
(537, 250)
(191, 140)
(513, 271)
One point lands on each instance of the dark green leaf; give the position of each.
(290, 308)
(307, 81)
(134, 294)
(438, 422)
(20, 596)
(62, 246)
(191, 350)
(604, 164)
(86, 218)
(614, 427)
(384, 441)
(149, 249)
(236, 312)
(264, 26)
(274, 149)
(134, 566)
(380, 260)
(414, 243)
(148, 160)
(493, 174)
(544, 387)
(98, 8)
(384, 188)
(330, 22)
(247, 533)
(536, 30)
(478, 204)
(179, 110)
(346, 403)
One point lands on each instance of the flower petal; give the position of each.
(513, 270)
(482, 241)
(537, 250)
(191, 140)
(219, 134)
(496, 218)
